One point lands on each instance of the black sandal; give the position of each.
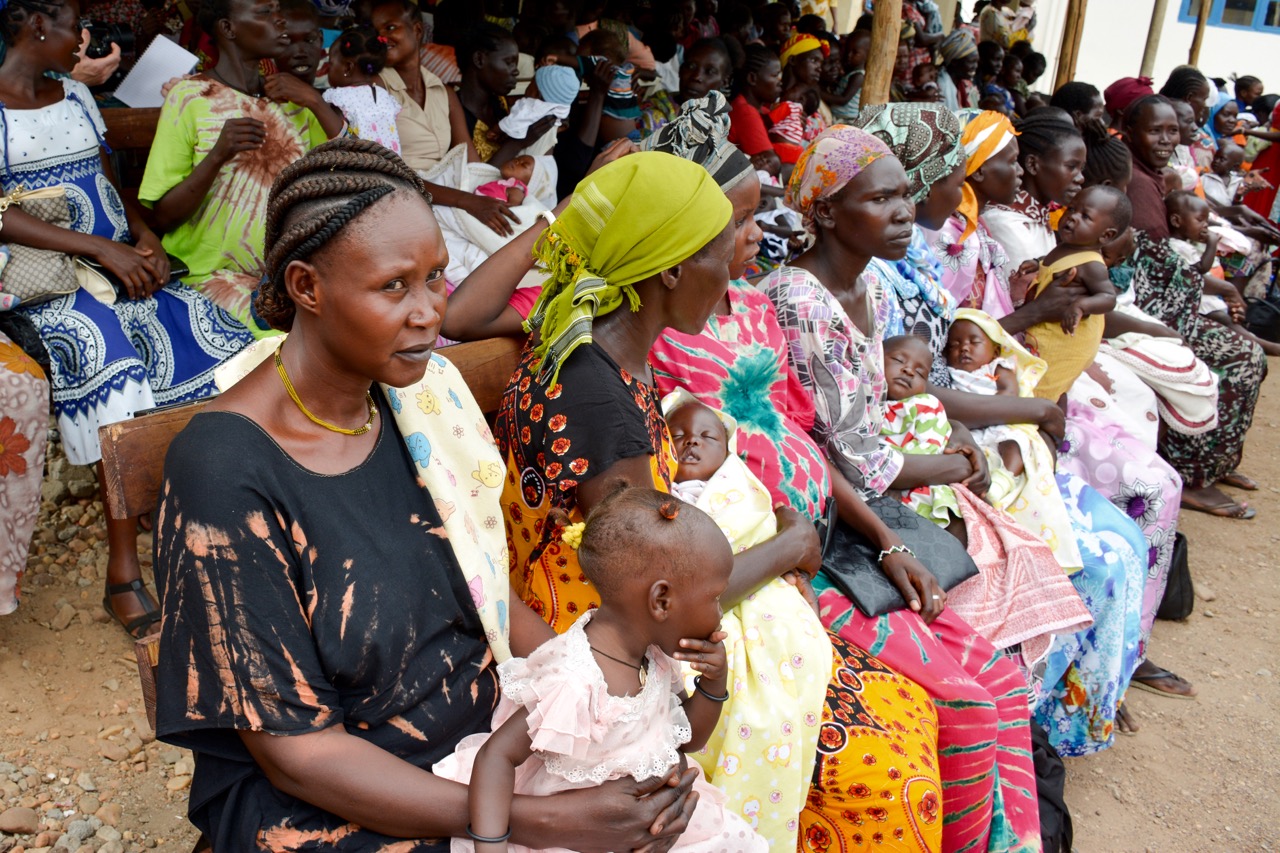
(136, 628)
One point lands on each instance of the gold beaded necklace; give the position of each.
(293, 395)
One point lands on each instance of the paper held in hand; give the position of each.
(159, 64)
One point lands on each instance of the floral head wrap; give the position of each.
(984, 136)
(633, 218)
(701, 134)
(833, 159)
(801, 43)
(924, 137)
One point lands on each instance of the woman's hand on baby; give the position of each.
(806, 545)
(803, 586)
(492, 212)
(1071, 319)
(708, 658)
(1052, 421)
(1052, 301)
(917, 584)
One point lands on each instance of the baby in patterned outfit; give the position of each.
(976, 366)
(915, 422)
(355, 60)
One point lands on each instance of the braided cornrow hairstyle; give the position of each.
(1043, 131)
(757, 59)
(313, 199)
(1182, 81)
(13, 17)
(1107, 159)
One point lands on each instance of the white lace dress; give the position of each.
(584, 736)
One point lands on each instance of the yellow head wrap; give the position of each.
(986, 135)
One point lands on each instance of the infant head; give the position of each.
(907, 361)
(1096, 216)
(968, 347)
(700, 441)
(1229, 158)
(659, 561)
(520, 168)
(1187, 215)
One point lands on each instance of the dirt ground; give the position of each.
(1201, 775)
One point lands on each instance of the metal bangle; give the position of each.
(697, 685)
(548, 217)
(896, 549)
(483, 840)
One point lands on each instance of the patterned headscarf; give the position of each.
(801, 43)
(833, 159)
(924, 137)
(984, 136)
(631, 219)
(701, 134)
(959, 45)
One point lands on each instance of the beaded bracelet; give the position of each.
(896, 549)
(697, 685)
(498, 839)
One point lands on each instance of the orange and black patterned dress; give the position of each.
(554, 438)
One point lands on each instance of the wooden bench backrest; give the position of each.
(133, 451)
(130, 129)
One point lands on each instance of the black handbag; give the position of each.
(1179, 593)
(1262, 316)
(849, 560)
(19, 329)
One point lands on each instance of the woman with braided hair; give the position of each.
(158, 343)
(222, 138)
(336, 603)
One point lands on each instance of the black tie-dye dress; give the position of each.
(295, 601)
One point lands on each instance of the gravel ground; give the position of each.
(80, 769)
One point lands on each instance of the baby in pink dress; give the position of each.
(514, 186)
(606, 699)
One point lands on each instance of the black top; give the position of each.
(295, 601)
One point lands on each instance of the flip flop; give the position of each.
(136, 628)
(1233, 510)
(1240, 481)
(1159, 675)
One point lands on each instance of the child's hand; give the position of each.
(709, 659)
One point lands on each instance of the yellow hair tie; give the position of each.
(572, 534)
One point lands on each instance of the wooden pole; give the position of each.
(947, 8)
(1202, 18)
(1073, 29)
(1153, 38)
(886, 27)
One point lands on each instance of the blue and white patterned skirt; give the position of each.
(110, 361)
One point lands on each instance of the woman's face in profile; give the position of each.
(704, 278)
(1001, 176)
(943, 199)
(745, 198)
(380, 297)
(259, 28)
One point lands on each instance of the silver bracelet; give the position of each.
(896, 549)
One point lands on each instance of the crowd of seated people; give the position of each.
(840, 472)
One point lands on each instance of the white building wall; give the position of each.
(1115, 33)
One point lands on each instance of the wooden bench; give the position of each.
(130, 133)
(133, 454)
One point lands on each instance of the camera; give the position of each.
(102, 36)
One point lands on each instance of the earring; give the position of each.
(41, 37)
